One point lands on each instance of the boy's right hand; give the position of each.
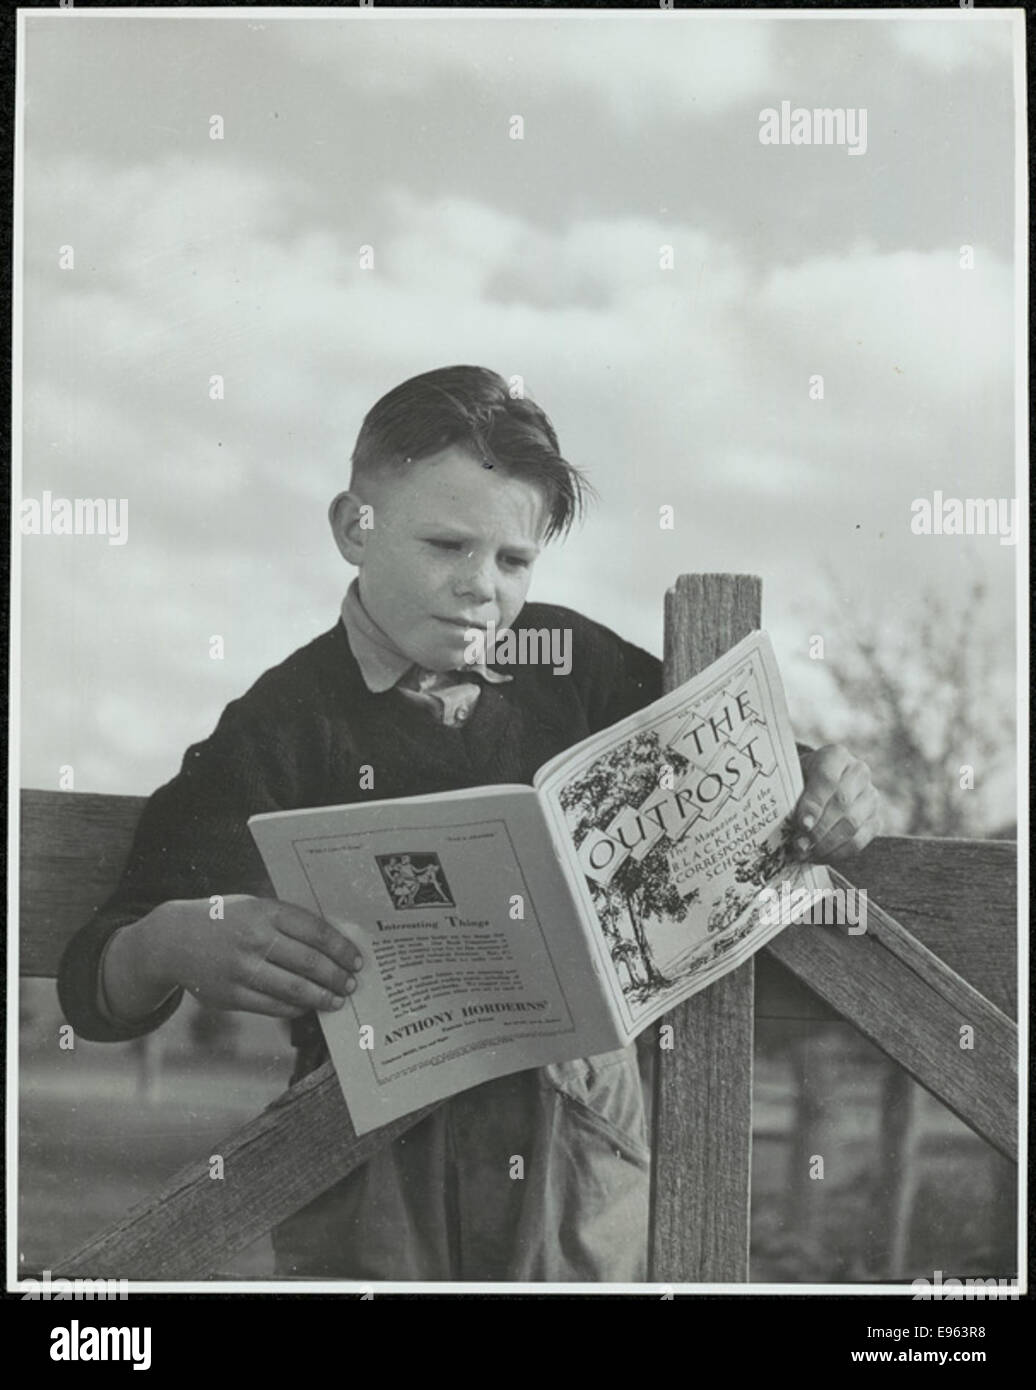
(262, 956)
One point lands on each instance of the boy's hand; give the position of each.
(264, 957)
(838, 813)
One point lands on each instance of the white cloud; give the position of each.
(898, 332)
(686, 387)
(637, 67)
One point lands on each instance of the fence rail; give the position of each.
(938, 955)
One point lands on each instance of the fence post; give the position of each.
(702, 1104)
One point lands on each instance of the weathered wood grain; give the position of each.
(913, 1006)
(702, 1110)
(958, 897)
(73, 846)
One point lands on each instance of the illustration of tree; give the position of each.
(626, 776)
(611, 911)
(758, 866)
(727, 911)
(762, 863)
(626, 953)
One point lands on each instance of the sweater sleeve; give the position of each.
(192, 841)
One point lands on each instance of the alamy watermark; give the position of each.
(80, 1342)
(46, 1288)
(940, 1288)
(841, 907)
(75, 516)
(968, 516)
(524, 646)
(823, 125)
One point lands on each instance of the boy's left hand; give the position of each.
(838, 813)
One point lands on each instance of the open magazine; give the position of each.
(508, 927)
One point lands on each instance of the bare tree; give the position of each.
(924, 704)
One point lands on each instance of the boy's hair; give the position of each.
(471, 407)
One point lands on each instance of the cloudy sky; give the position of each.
(540, 257)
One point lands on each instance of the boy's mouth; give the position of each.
(463, 624)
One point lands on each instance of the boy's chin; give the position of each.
(450, 660)
(450, 650)
(441, 659)
(447, 654)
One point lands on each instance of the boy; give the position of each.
(455, 489)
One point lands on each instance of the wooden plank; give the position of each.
(913, 1006)
(898, 1175)
(295, 1150)
(958, 897)
(702, 1105)
(72, 852)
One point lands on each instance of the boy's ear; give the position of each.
(346, 515)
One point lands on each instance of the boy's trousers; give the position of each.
(540, 1176)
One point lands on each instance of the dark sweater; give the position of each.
(299, 738)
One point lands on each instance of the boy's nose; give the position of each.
(475, 579)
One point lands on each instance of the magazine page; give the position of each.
(677, 821)
(475, 963)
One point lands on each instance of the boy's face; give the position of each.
(452, 547)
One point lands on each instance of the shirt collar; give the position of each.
(381, 662)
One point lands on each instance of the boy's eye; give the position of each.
(511, 561)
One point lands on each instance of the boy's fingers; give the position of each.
(299, 959)
(848, 845)
(333, 942)
(823, 775)
(840, 802)
(852, 832)
(250, 1001)
(299, 994)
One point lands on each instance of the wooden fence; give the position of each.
(938, 955)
